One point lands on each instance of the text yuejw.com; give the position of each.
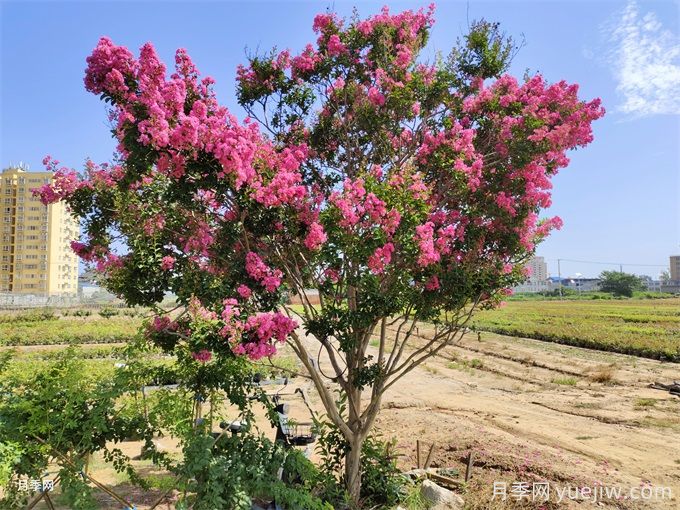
(543, 491)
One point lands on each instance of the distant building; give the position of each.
(539, 270)
(312, 296)
(675, 268)
(35, 253)
(582, 284)
(538, 279)
(650, 283)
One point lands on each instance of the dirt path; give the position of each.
(534, 411)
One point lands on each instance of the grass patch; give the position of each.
(662, 423)
(584, 438)
(414, 499)
(603, 374)
(476, 363)
(565, 381)
(161, 481)
(645, 403)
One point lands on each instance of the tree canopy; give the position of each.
(619, 283)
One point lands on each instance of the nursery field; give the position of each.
(48, 327)
(642, 327)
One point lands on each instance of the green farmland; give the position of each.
(642, 327)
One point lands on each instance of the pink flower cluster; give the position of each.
(425, 236)
(64, 183)
(381, 257)
(375, 96)
(256, 337)
(244, 291)
(108, 67)
(182, 134)
(163, 323)
(286, 187)
(202, 356)
(358, 208)
(305, 62)
(458, 142)
(269, 278)
(167, 263)
(315, 237)
(407, 23)
(335, 47)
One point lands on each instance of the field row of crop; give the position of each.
(639, 327)
(69, 330)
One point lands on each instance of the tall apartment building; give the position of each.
(35, 252)
(675, 267)
(539, 270)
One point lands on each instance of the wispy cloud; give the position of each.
(645, 60)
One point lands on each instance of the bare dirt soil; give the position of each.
(534, 411)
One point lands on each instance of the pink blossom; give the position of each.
(167, 263)
(425, 236)
(305, 62)
(324, 21)
(376, 97)
(107, 65)
(381, 257)
(404, 56)
(432, 283)
(64, 184)
(316, 237)
(244, 291)
(335, 46)
(262, 331)
(163, 323)
(202, 356)
(332, 275)
(269, 278)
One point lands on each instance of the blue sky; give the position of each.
(619, 198)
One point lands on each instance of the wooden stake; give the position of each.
(418, 453)
(444, 480)
(49, 501)
(468, 469)
(41, 495)
(85, 475)
(429, 457)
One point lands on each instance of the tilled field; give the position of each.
(534, 411)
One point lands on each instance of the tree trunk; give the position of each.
(353, 470)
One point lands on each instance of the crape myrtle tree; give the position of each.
(402, 191)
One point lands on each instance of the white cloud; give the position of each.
(645, 60)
